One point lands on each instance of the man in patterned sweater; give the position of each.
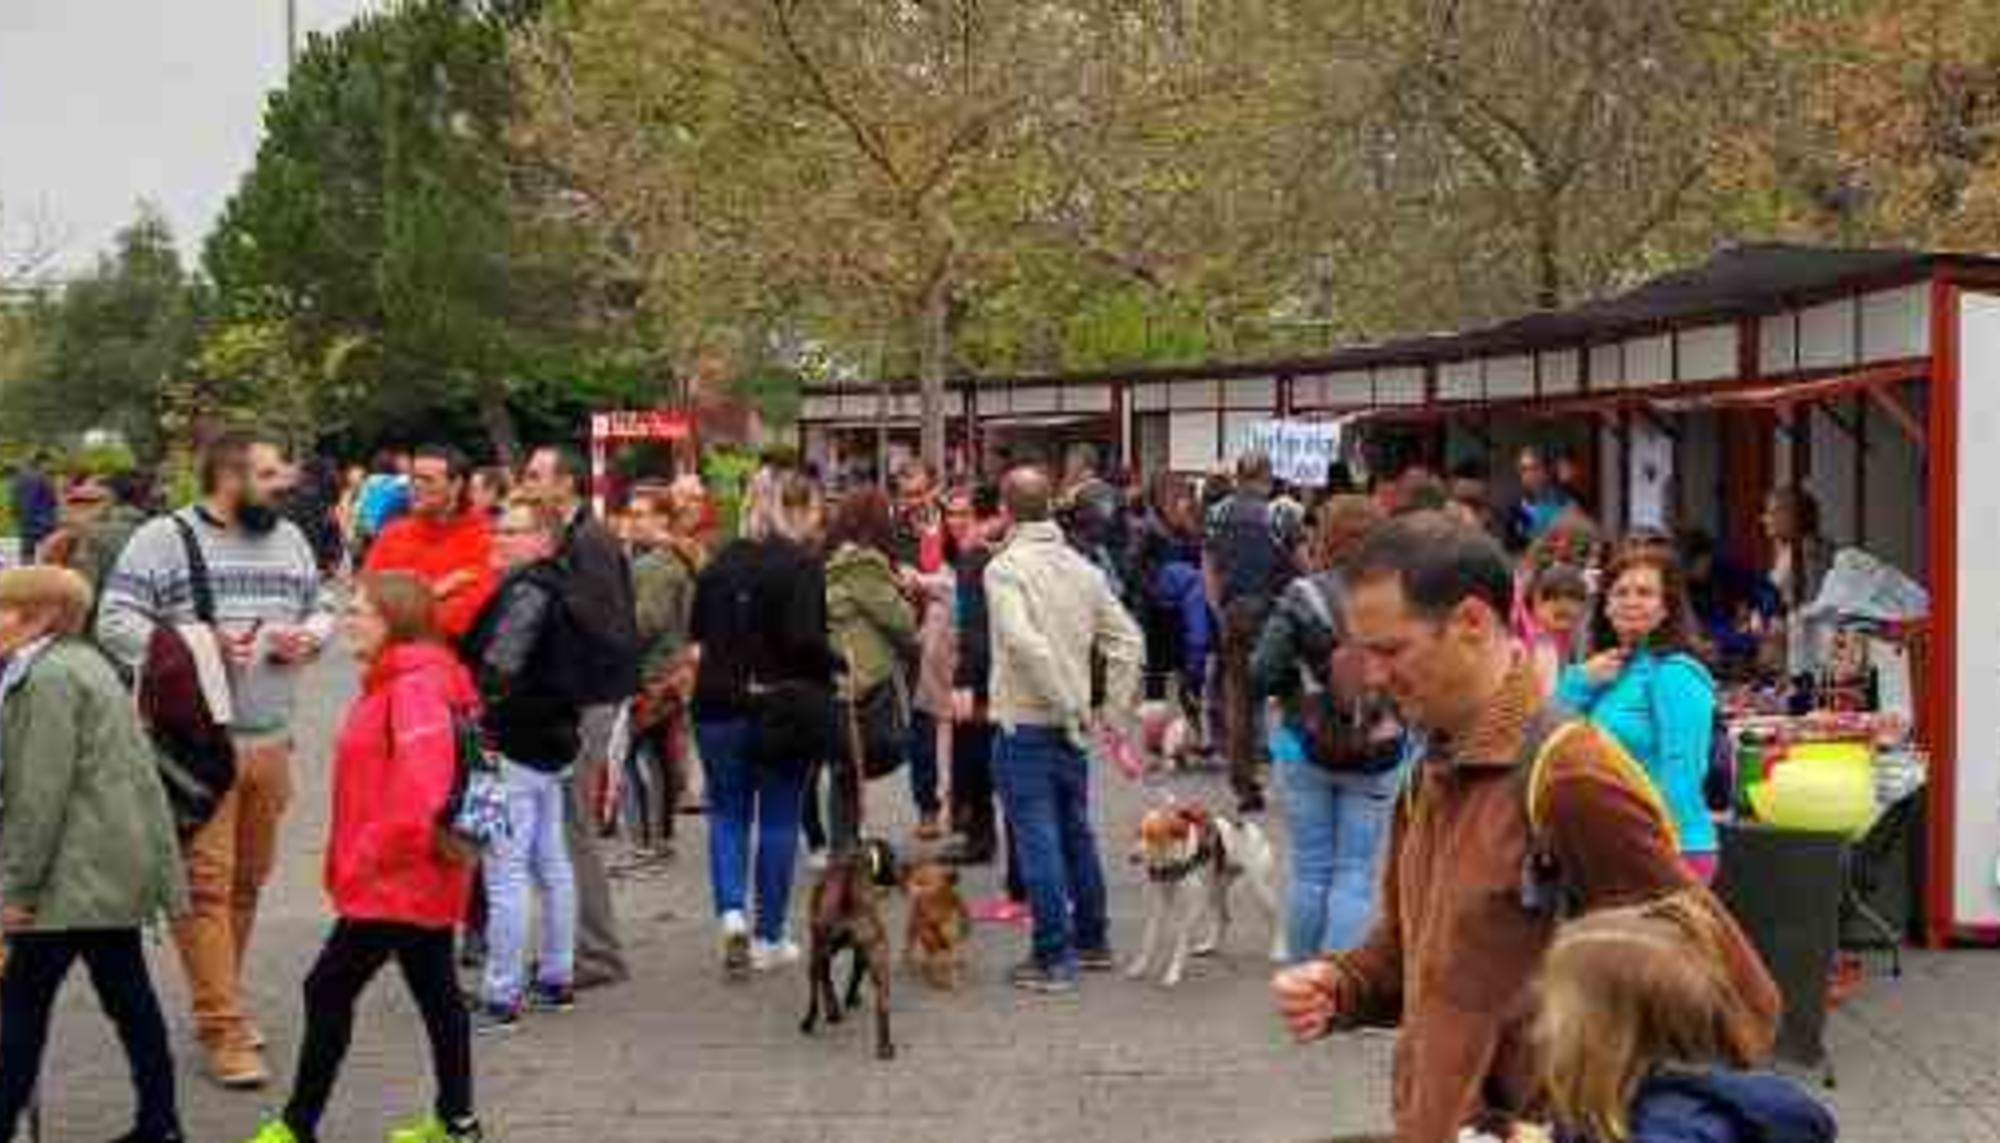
(271, 620)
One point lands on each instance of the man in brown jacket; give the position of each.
(1515, 819)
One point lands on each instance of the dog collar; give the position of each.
(1206, 852)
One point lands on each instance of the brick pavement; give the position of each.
(677, 1057)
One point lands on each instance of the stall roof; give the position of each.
(1738, 282)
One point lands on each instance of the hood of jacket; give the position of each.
(854, 560)
(423, 658)
(1748, 1107)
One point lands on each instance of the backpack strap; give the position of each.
(1545, 730)
(197, 565)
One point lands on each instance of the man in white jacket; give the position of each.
(1052, 610)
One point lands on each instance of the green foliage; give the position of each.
(726, 473)
(100, 353)
(384, 262)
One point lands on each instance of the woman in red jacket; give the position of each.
(396, 894)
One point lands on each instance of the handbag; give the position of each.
(191, 743)
(792, 724)
(474, 815)
(884, 723)
(878, 724)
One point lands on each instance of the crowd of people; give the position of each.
(1488, 728)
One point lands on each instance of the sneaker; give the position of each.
(816, 861)
(1030, 976)
(1096, 960)
(237, 1067)
(736, 960)
(274, 1131)
(496, 1019)
(431, 1129)
(766, 956)
(551, 997)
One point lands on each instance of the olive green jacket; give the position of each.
(86, 835)
(663, 595)
(868, 621)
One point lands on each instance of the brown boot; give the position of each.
(238, 1067)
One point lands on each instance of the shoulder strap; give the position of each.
(1546, 729)
(197, 564)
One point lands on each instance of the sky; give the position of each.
(104, 103)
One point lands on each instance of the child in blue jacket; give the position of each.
(1644, 1041)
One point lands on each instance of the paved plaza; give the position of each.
(678, 1057)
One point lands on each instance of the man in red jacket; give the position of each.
(441, 541)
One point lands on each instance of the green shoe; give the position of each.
(429, 1129)
(274, 1132)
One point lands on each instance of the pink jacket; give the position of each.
(394, 765)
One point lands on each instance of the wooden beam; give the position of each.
(1893, 407)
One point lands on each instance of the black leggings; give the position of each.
(37, 964)
(973, 812)
(354, 953)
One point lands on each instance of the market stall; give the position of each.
(1864, 377)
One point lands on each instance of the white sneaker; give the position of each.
(765, 957)
(816, 861)
(737, 958)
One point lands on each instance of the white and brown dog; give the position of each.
(1192, 860)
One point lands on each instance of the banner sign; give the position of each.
(1301, 452)
(641, 425)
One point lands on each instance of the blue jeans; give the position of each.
(924, 763)
(1339, 825)
(535, 850)
(1045, 783)
(742, 797)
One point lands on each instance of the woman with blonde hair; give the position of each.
(1644, 1039)
(763, 711)
(87, 851)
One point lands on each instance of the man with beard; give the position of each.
(270, 619)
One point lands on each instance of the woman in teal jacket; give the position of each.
(1646, 689)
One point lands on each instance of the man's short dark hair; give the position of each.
(1253, 468)
(1028, 494)
(229, 450)
(457, 465)
(1440, 562)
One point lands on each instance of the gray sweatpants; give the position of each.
(599, 954)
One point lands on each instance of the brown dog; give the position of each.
(847, 914)
(939, 926)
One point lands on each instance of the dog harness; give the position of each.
(1207, 852)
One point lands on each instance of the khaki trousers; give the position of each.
(229, 860)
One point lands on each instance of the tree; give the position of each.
(883, 174)
(385, 209)
(1880, 123)
(109, 343)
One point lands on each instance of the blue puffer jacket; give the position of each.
(1725, 1107)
